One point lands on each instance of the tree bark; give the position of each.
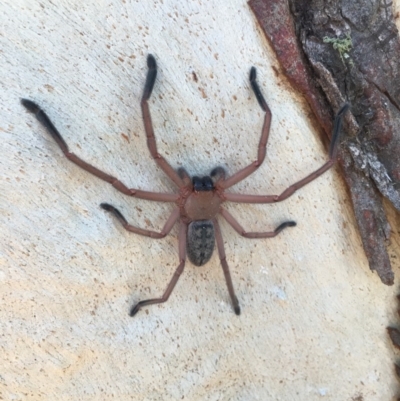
(349, 51)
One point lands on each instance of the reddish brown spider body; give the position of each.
(199, 200)
(202, 205)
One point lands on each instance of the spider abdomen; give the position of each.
(200, 241)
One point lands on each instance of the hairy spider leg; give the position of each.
(52, 130)
(148, 125)
(242, 198)
(262, 146)
(225, 267)
(174, 280)
(141, 231)
(241, 231)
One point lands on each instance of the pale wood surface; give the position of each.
(313, 315)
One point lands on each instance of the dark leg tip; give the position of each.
(253, 74)
(256, 89)
(134, 310)
(107, 207)
(286, 224)
(236, 306)
(30, 106)
(115, 211)
(151, 77)
(333, 149)
(343, 109)
(151, 62)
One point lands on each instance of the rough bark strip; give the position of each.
(276, 21)
(335, 51)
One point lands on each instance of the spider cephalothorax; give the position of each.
(199, 199)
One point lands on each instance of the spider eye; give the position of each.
(202, 183)
(208, 185)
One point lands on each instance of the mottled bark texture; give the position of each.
(348, 51)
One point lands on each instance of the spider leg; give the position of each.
(242, 198)
(225, 267)
(262, 150)
(174, 280)
(137, 230)
(52, 130)
(240, 230)
(148, 125)
(337, 125)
